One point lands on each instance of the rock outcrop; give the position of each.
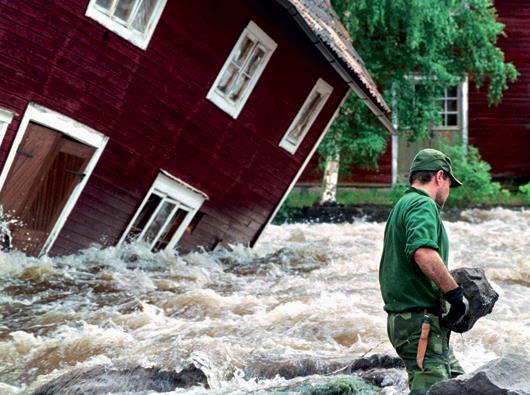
(508, 375)
(479, 293)
(111, 379)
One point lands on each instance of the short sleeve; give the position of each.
(421, 227)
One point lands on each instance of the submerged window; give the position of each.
(242, 69)
(449, 103)
(134, 20)
(306, 116)
(165, 214)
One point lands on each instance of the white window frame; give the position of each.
(325, 90)
(127, 32)
(444, 98)
(218, 98)
(70, 127)
(5, 119)
(169, 188)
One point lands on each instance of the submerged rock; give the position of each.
(508, 375)
(479, 293)
(105, 379)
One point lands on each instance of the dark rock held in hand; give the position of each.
(508, 375)
(479, 293)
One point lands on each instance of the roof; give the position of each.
(325, 23)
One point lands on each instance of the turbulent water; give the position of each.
(303, 302)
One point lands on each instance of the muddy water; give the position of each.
(305, 300)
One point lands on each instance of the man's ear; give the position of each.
(440, 176)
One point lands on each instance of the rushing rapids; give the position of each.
(294, 310)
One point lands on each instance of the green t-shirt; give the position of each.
(414, 222)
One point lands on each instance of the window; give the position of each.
(242, 70)
(306, 116)
(134, 20)
(165, 214)
(5, 119)
(449, 108)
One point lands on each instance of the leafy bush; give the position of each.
(398, 189)
(474, 174)
(526, 190)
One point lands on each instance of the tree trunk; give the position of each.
(331, 179)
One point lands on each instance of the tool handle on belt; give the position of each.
(423, 342)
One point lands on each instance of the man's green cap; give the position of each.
(433, 160)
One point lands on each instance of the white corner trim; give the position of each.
(139, 39)
(325, 89)
(5, 119)
(465, 112)
(54, 120)
(183, 193)
(395, 137)
(304, 165)
(234, 108)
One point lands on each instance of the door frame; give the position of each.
(43, 116)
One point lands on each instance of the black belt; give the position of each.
(425, 310)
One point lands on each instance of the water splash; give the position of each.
(302, 304)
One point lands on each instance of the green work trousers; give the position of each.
(439, 363)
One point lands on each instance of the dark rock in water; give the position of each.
(383, 377)
(375, 361)
(379, 369)
(508, 375)
(289, 369)
(339, 213)
(305, 367)
(479, 293)
(105, 379)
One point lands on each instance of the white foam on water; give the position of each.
(306, 292)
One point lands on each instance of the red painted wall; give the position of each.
(502, 133)
(152, 105)
(357, 176)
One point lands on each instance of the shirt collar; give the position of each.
(421, 192)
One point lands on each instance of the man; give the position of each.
(415, 282)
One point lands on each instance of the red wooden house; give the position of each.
(179, 123)
(501, 133)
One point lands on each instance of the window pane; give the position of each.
(239, 87)
(124, 9)
(143, 16)
(307, 113)
(452, 105)
(452, 120)
(159, 221)
(255, 61)
(228, 78)
(147, 211)
(170, 229)
(452, 91)
(104, 4)
(243, 51)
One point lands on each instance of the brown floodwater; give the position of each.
(251, 319)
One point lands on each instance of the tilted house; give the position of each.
(179, 123)
(501, 133)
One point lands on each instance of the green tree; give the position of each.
(414, 49)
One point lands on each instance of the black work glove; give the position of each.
(459, 306)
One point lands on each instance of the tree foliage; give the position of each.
(414, 49)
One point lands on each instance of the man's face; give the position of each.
(443, 182)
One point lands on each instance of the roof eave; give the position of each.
(347, 75)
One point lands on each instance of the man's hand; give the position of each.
(459, 306)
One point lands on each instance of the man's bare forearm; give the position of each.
(433, 267)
